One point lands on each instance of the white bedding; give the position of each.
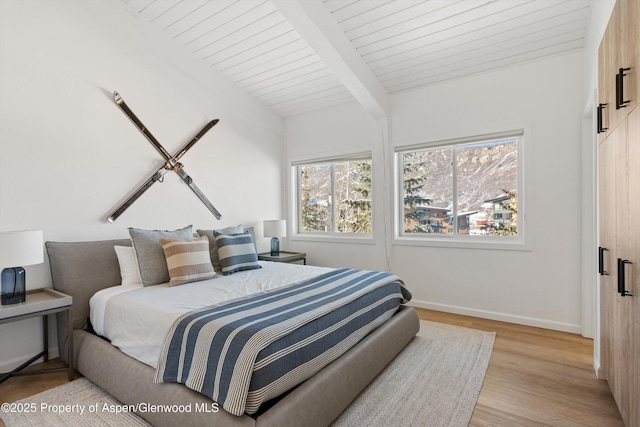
(136, 319)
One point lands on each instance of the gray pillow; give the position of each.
(253, 236)
(151, 259)
(213, 249)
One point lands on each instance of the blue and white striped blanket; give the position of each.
(249, 350)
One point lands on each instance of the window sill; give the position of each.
(358, 240)
(503, 245)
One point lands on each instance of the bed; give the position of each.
(81, 269)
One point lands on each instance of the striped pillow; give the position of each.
(187, 260)
(213, 249)
(237, 252)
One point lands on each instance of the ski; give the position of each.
(137, 123)
(195, 138)
(187, 180)
(137, 193)
(172, 162)
(152, 139)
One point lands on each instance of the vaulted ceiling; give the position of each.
(296, 56)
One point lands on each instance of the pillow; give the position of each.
(151, 260)
(129, 270)
(213, 249)
(237, 252)
(187, 260)
(253, 235)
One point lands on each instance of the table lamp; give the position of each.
(275, 228)
(18, 248)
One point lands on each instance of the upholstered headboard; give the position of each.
(80, 269)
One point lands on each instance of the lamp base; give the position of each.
(13, 285)
(275, 246)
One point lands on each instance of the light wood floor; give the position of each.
(536, 377)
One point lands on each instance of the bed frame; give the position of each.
(80, 269)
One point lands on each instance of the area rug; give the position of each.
(435, 381)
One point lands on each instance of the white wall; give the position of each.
(68, 156)
(538, 287)
(342, 130)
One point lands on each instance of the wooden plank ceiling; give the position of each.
(266, 46)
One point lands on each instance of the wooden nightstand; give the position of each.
(284, 256)
(39, 302)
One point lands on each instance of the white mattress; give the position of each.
(136, 319)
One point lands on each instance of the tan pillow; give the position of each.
(151, 259)
(187, 260)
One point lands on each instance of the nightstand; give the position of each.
(284, 256)
(40, 302)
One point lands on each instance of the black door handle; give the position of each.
(621, 277)
(620, 102)
(601, 127)
(601, 269)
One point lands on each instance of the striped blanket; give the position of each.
(247, 351)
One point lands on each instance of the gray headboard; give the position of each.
(80, 269)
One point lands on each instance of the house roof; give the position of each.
(497, 199)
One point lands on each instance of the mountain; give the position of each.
(483, 170)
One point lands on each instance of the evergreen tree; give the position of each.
(355, 212)
(414, 177)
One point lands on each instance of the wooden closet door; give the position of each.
(619, 208)
(617, 324)
(633, 283)
(604, 76)
(609, 56)
(630, 47)
(623, 316)
(606, 212)
(615, 40)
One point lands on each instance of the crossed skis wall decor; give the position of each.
(171, 162)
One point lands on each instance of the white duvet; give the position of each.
(136, 319)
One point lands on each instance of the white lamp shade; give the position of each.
(275, 228)
(20, 248)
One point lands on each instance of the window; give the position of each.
(461, 190)
(334, 197)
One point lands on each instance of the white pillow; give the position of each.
(129, 269)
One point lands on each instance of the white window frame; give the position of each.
(521, 242)
(332, 236)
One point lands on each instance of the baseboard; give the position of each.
(10, 365)
(503, 317)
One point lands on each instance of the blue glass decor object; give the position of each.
(13, 285)
(275, 228)
(17, 249)
(275, 246)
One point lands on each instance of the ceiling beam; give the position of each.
(318, 27)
